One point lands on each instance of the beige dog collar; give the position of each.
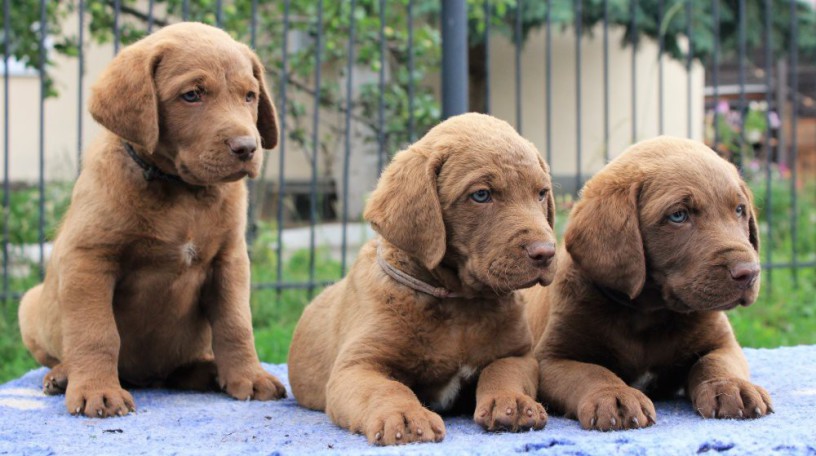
(412, 282)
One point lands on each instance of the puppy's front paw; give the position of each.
(615, 408)
(260, 385)
(510, 411)
(98, 401)
(731, 398)
(398, 426)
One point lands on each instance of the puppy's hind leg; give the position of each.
(30, 315)
(55, 381)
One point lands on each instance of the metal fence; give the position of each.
(385, 54)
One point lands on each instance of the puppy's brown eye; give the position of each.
(678, 217)
(741, 210)
(542, 195)
(192, 96)
(250, 97)
(481, 196)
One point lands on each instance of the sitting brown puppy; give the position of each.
(663, 241)
(465, 217)
(149, 277)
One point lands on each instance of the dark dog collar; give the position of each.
(150, 171)
(411, 281)
(616, 297)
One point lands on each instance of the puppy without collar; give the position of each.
(149, 277)
(465, 217)
(663, 240)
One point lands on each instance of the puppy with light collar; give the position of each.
(429, 312)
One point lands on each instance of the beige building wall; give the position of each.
(61, 119)
(564, 107)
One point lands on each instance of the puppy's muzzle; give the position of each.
(541, 253)
(243, 147)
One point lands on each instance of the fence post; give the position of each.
(454, 58)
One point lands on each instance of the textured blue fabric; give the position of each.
(190, 423)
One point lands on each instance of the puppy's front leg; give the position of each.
(505, 396)
(361, 398)
(90, 338)
(226, 301)
(593, 394)
(719, 386)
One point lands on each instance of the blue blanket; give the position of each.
(191, 423)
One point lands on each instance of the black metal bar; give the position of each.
(284, 78)
(794, 89)
(741, 76)
(517, 41)
(454, 58)
(185, 10)
(150, 16)
(633, 31)
(661, 48)
(311, 285)
(768, 138)
(41, 180)
(411, 120)
(548, 88)
(253, 24)
(488, 13)
(715, 73)
(117, 10)
(347, 155)
(606, 78)
(6, 183)
(315, 144)
(689, 58)
(219, 13)
(578, 17)
(789, 265)
(80, 78)
(381, 100)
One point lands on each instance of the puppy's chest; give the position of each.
(454, 351)
(180, 240)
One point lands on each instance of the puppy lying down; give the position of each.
(428, 310)
(149, 278)
(663, 241)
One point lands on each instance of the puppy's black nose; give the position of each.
(243, 147)
(540, 252)
(744, 274)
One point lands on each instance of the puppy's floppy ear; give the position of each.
(267, 114)
(753, 231)
(404, 208)
(603, 238)
(550, 194)
(124, 98)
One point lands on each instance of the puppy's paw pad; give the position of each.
(414, 424)
(509, 411)
(99, 402)
(261, 386)
(616, 408)
(731, 398)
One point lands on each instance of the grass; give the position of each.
(784, 314)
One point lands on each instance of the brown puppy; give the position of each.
(663, 241)
(468, 209)
(149, 277)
